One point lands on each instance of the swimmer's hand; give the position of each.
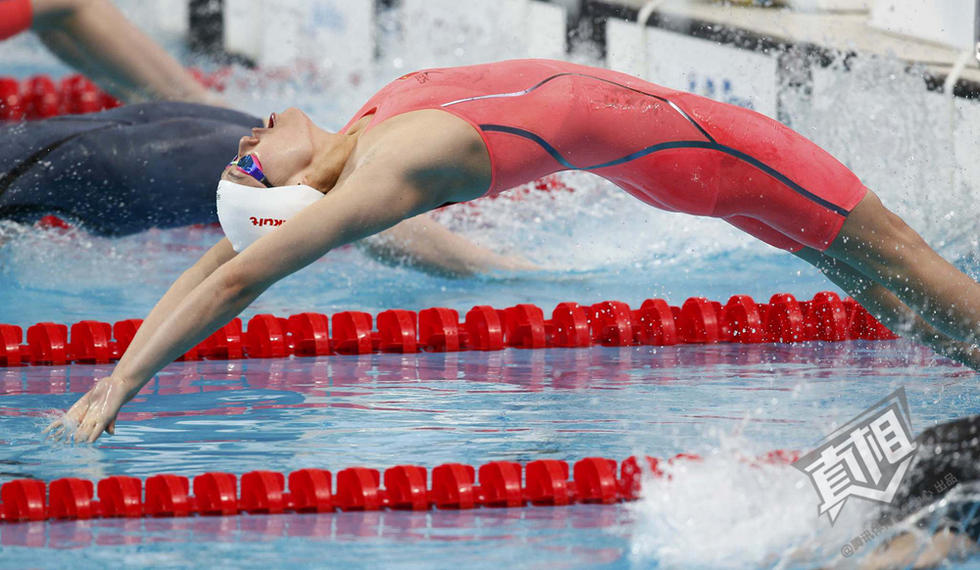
(516, 263)
(93, 413)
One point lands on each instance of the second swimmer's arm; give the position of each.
(96, 38)
(428, 246)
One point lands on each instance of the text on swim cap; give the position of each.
(266, 221)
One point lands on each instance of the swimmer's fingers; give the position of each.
(90, 427)
(104, 401)
(78, 410)
(59, 428)
(54, 428)
(53, 431)
(58, 435)
(90, 431)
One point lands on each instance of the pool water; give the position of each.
(720, 401)
(594, 243)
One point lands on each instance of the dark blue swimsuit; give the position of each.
(121, 171)
(947, 456)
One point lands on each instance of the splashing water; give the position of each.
(727, 511)
(597, 243)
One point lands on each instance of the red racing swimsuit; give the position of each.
(15, 17)
(673, 150)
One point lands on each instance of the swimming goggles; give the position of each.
(250, 165)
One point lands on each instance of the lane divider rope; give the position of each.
(610, 323)
(544, 482)
(41, 97)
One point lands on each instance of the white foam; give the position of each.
(725, 511)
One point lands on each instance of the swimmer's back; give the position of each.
(673, 150)
(120, 171)
(538, 116)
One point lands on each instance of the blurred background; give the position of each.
(888, 86)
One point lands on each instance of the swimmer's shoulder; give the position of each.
(427, 146)
(422, 133)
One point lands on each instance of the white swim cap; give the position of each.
(247, 213)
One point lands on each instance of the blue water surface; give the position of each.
(427, 409)
(593, 243)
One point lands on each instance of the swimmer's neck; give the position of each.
(332, 156)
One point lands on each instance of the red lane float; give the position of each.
(744, 320)
(524, 326)
(544, 482)
(439, 330)
(484, 329)
(216, 494)
(655, 324)
(10, 349)
(611, 323)
(310, 491)
(699, 322)
(47, 343)
(121, 496)
(40, 97)
(398, 331)
(569, 326)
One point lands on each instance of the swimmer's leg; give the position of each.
(888, 309)
(881, 246)
(96, 38)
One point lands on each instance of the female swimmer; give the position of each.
(126, 170)
(451, 135)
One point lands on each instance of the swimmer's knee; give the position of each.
(834, 269)
(810, 255)
(827, 264)
(821, 261)
(897, 241)
(49, 12)
(873, 234)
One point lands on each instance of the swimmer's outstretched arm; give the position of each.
(424, 244)
(190, 279)
(94, 37)
(369, 201)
